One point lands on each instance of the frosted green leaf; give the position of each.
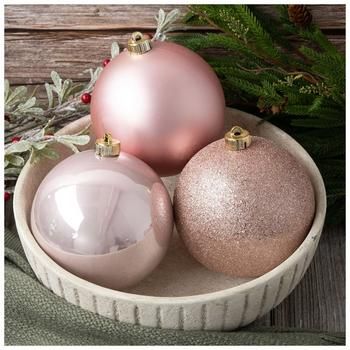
(161, 17)
(54, 89)
(39, 145)
(63, 94)
(57, 81)
(115, 49)
(15, 160)
(6, 89)
(164, 23)
(75, 139)
(49, 94)
(18, 147)
(42, 131)
(172, 16)
(23, 107)
(17, 94)
(96, 74)
(66, 84)
(74, 89)
(47, 152)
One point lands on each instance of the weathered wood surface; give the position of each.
(318, 302)
(70, 39)
(116, 17)
(30, 57)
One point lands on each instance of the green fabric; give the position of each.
(36, 316)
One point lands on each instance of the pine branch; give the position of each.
(315, 36)
(285, 70)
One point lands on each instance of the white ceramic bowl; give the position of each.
(180, 293)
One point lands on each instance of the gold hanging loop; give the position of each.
(238, 139)
(107, 146)
(138, 44)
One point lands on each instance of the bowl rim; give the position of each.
(318, 221)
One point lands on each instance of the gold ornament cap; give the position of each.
(138, 44)
(107, 146)
(238, 138)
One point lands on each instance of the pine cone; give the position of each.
(299, 15)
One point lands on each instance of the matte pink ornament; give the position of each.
(105, 219)
(163, 105)
(242, 211)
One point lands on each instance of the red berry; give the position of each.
(7, 196)
(15, 139)
(86, 98)
(105, 62)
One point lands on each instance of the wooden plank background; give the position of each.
(72, 38)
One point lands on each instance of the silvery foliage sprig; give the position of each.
(22, 113)
(35, 125)
(35, 145)
(165, 23)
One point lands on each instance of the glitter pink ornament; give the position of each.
(243, 205)
(105, 217)
(161, 100)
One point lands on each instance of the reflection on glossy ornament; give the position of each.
(163, 101)
(105, 217)
(243, 205)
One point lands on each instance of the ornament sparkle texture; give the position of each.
(108, 220)
(163, 105)
(243, 212)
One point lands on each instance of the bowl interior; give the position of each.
(178, 274)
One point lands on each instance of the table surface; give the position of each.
(72, 38)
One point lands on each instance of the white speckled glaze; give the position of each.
(180, 293)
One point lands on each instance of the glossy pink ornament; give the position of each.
(105, 219)
(164, 105)
(243, 205)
